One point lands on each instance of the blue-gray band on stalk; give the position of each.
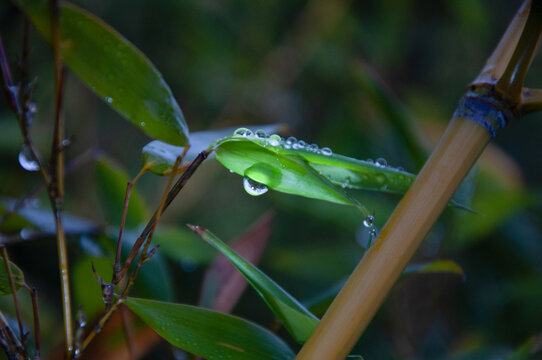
(485, 110)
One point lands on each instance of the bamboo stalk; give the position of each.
(493, 101)
(373, 278)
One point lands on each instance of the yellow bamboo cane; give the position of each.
(485, 109)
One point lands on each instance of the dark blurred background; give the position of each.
(368, 79)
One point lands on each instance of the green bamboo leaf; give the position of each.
(112, 180)
(299, 322)
(438, 266)
(17, 276)
(160, 156)
(210, 334)
(114, 69)
(337, 169)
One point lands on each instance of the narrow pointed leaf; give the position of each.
(160, 156)
(210, 334)
(222, 284)
(438, 266)
(17, 276)
(114, 69)
(299, 322)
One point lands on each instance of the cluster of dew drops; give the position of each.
(276, 141)
(255, 188)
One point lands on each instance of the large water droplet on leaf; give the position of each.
(26, 160)
(254, 188)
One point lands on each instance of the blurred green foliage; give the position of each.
(313, 65)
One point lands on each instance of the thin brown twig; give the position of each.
(139, 242)
(34, 296)
(56, 189)
(129, 186)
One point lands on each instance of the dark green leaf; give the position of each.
(17, 276)
(299, 322)
(112, 180)
(210, 334)
(182, 245)
(114, 69)
(438, 266)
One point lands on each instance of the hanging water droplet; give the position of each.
(26, 160)
(381, 162)
(274, 140)
(369, 221)
(373, 233)
(326, 151)
(299, 145)
(108, 99)
(142, 123)
(260, 134)
(231, 171)
(290, 142)
(254, 188)
(242, 132)
(312, 148)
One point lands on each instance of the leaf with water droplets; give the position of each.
(210, 334)
(294, 167)
(299, 322)
(114, 69)
(16, 275)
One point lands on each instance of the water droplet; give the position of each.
(242, 132)
(31, 107)
(142, 123)
(346, 184)
(108, 99)
(26, 160)
(400, 168)
(370, 161)
(231, 171)
(290, 142)
(369, 221)
(274, 140)
(380, 178)
(381, 162)
(312, 148)
(254, 188)
(260, 134)
(326, 151)
(299, 145)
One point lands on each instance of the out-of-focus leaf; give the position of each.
(319, 303)
(13, 222)
(44, 220)
(182, 245)
(86, 289)
(299, 322)
(223, 284)
(161, 156)
(114, 69)
(392, 110)
(111, 181)
(17, 276)
(438, 266)
(210, 334)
